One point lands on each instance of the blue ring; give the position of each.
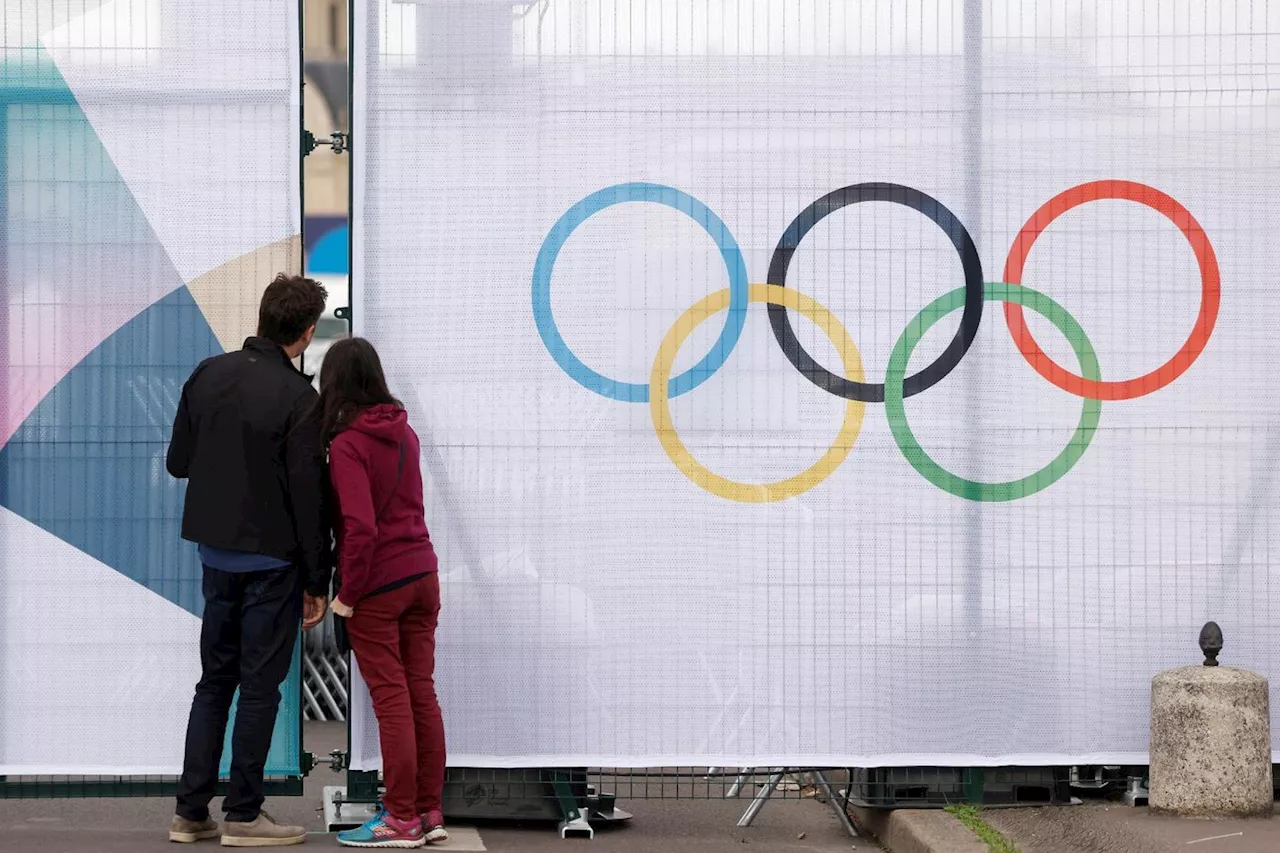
(638, 392)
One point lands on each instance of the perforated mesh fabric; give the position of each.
(149, 190)
(542, 190)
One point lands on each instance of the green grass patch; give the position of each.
(970, 817)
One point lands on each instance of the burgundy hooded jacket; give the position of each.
(378, 554)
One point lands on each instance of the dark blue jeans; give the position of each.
(247, 640)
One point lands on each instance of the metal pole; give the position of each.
(842, 815)
(6, 296)
(736, 788)
(973, 216)
(972, 130)
(354, 779)
(762, 796)
(6, 284)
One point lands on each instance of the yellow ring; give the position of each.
(731, 489)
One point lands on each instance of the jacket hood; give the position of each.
(385, 422)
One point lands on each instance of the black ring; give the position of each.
(973, 301)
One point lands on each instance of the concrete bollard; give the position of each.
(1210, 740)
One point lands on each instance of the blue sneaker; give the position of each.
(382, 830)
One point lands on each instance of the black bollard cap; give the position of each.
(1211, 643)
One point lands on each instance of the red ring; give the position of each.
(1210, 278)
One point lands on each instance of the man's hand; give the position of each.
(343, 610)
(313, 609)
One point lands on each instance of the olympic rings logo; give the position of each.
(852, 387)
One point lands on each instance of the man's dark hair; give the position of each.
(291, 305)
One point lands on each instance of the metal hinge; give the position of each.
(337, 141)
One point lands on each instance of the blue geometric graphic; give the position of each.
(329, 253)
(87, 464)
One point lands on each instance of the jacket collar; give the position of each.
(270, 349)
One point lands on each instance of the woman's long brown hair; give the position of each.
(351, 380)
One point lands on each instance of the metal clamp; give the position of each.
(338, 142)
(337, 761)
(1137, 794)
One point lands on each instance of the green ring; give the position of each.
(935, 473)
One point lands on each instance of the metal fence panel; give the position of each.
(149, 190)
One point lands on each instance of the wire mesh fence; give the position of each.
(82, 461)
(884, 613)
(149, 191)
(89, 787)
(324, 676)
(477, 790)
(874, 787)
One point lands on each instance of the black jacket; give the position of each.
(254, 460)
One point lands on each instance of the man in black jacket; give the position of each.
(246, 440)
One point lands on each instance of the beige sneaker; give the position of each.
(185, 831)
(263, 832)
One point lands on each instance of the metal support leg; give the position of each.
(771, 785)
(761, 797)
(736, 788)
(836, 805)
(575, 822)
(1136, 794)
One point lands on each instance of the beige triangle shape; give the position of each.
(228, 295)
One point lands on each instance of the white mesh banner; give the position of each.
(149, 190)
(821, 383)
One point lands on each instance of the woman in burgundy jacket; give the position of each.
(390, 592)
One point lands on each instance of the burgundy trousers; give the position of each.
(393, 636)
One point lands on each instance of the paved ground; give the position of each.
(786, 825)
(1110, 828)
(669, 826)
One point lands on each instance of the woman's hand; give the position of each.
(343, 610)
